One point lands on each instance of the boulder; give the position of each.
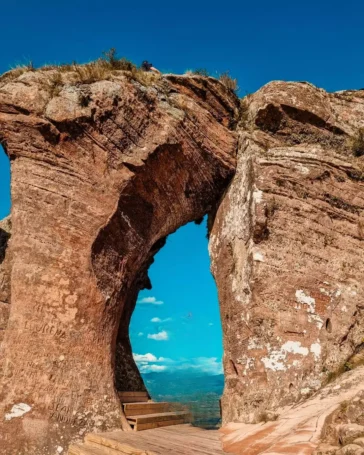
(351, 449)
(347, 433)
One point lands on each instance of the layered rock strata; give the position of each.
(101, 174)
(287, 246)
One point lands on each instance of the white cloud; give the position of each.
(151, 300)
(161, 336)
(140, 334)
(160, 320)
(152, 368)
(149, 358)
(145, 357)
(147, 363)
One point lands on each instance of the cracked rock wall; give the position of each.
(287, 246)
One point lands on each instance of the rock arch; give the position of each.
(103, 172)
(95, 192)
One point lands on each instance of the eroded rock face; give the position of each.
(299, 429)
(98, 182)
(287, 247)
(103, 172)
(5, 265)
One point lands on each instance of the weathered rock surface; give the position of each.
(351, 449)
(299, 429)
(287, 245)
(101, 174)
(5, 233)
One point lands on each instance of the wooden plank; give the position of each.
(180, 439)
(133, 409)
(111, 446)
(161, 423)
(85, 449)
(132, 394)
(159, 417)
(139, 399)
(169, 437)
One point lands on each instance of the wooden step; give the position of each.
(86, 449)
(145, 422)
(100, 441)
(164, 423)
(134, 409)
(133, 397)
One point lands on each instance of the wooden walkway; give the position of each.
(176, 440)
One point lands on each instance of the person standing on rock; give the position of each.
(146, 66)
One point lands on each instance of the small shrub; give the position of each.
(111, 59)
(200, 72)
(229, 82)
(244, 111)
(357, 145)
(55, 84)
(84, 99)
(271, 208)
(266, 416)
(344, 406)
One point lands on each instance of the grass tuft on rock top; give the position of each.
(229, 82)
(102, 68)
(225, 78)
(107, 66)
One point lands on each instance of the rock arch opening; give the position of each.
(160, 197)
(175, 330)
(5, 234)
(4, 184)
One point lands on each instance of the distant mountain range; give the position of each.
(200, 393)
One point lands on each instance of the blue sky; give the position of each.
(177, 322)
(318, 41)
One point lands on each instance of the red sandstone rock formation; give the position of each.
(101, 174)
(5, 232)
(299, 429)
(287, 248)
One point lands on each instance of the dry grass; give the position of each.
(54, 84)
(199, 72)
(271, 208)
(92, 72)
(87, 73)
(266, 416)
(244, 111)
(145, 78)
(16, 72)
(229, 82)
(357, 145)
